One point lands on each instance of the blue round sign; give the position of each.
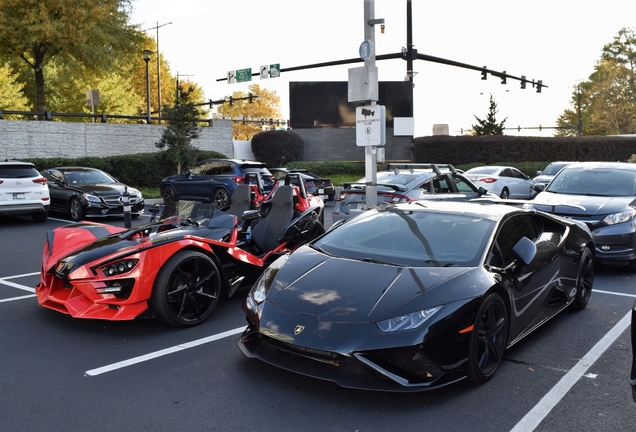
(366, 49)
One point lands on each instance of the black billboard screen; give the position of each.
(325, 103)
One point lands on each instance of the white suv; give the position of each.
(23, 191)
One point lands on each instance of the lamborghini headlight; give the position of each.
(408, 321)
(620, 217)
(261, 287)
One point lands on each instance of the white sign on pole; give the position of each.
(264, 72)
(231, 77)
(370, 125)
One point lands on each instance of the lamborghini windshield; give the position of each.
(410, 238)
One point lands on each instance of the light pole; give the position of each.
(178, 94)
(158, 68)
(147, 54)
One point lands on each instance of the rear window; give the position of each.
(260, 168)
(18, 171)
(483, 171)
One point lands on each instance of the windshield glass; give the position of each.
(88, 177)
(554, 168)
(193, 210)
(414, 238)
(594, 181)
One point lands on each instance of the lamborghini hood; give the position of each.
(344, 290)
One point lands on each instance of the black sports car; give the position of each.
(81, 192)
(417, 295)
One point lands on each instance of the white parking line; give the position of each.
(15, 285)
(536, 415)
(163, 352)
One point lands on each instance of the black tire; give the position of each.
(169, 194)
(505, 194)
(488, 339)
(76, 209)
(584, 280)
(40, 216)
(221, 199)
(187, 289)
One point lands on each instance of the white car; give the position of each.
(23, 191)
(504, 181)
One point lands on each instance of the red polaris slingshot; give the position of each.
(177, 268)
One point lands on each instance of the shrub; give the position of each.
(277, 148)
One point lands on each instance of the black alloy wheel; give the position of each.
(169, 194)
(187, 289)
(221, 199)
(76, 209)
(505, 194)
(488, 339)
(584, 280)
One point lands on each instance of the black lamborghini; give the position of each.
(419, 295)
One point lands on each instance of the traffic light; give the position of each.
(503, 78)
(231, 101)
(539, 85)
(518, 128)
(484, 74)
(251, 97)
(523, 82)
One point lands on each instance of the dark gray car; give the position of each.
(602, 195)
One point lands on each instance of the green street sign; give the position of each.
(274, 70)
(243, 75)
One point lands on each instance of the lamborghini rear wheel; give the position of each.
(488, 339)
(187, 289)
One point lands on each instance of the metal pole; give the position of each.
(158, 77)
(148, 120)
(370, 156)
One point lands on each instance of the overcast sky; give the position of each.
(556, 41)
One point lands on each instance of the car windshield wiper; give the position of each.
(379, 261)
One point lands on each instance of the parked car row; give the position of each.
(379, 301)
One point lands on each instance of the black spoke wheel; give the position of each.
(187, 289)
(169, 194)
(488, 339)
(584, 280)
(76, 209)
(221, 199)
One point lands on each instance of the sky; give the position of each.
(556, 41)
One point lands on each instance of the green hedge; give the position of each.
(489, 150)
(140, 170)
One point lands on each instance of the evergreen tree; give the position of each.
(181, 130)
(489, 126)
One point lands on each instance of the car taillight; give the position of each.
(487, 180)
(393, 198)
(239, 179)
(40, 180)
(1, 181)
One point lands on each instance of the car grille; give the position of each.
(116, 200)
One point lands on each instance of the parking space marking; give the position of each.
(15, 285)
(163, 352)
(614, 293)
(17, 298)
(536, 415)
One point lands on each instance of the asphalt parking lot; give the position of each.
(59, 373)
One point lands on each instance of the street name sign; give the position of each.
(243, 75)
